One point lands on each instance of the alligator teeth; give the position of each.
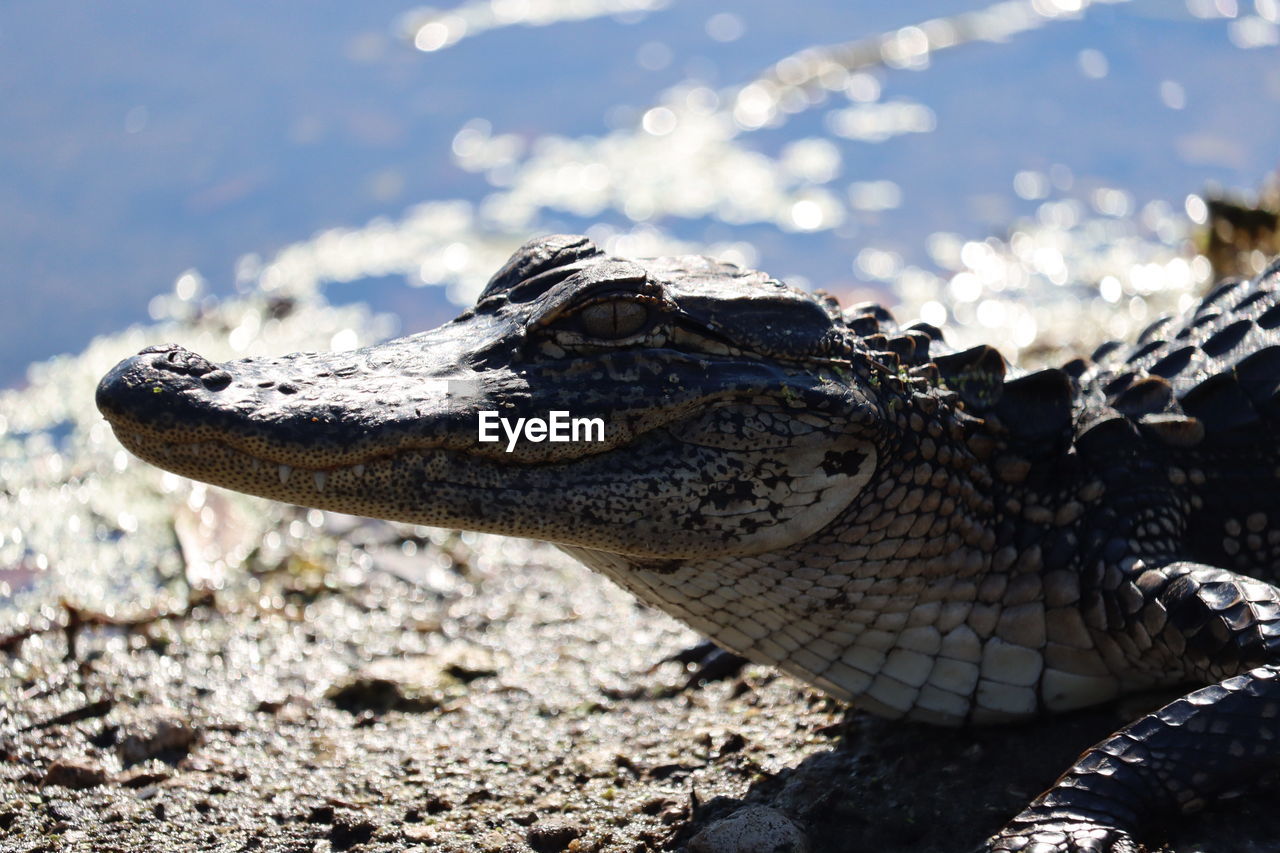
(255, 464)
(358, 470)
(284, 472)
(320, 478)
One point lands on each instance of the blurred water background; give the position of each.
(249, 178)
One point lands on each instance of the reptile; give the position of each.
(919, 531)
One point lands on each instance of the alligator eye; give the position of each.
(614, 318)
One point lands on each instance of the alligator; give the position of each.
(919, 531)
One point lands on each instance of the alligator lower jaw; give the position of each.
(218, 463)
(390, 486)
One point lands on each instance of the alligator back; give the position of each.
(1200, 395)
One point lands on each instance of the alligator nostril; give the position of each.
(288, 388)
(175, 359)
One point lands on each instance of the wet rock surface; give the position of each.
(751, 829)
(509, 704)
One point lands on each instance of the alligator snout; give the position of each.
(152, 379)
(318, 409)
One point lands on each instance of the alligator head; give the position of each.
(783, 476)
(730, 421)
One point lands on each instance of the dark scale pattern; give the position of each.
(1166, 762)
(915, 530)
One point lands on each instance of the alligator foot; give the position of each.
(710, 663)
(1038, 830)
(1169, 761)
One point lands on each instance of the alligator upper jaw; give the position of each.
(389, 432)
(357, 432)
(326, 412)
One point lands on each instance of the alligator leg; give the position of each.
(1165, 762)
(1217, 623)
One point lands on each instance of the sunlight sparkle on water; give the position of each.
(430, 30)
(725, 27)
(1255, 31)
(874, 195)
(1093, 63)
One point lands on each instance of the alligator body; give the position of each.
(905, 527)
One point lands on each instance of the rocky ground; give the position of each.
(450, 692)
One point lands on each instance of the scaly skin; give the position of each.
(899, 525)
